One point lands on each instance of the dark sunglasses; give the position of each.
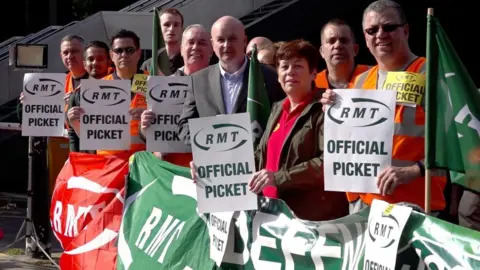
(128, 50)
(386, 28)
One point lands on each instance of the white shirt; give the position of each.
(231, 85)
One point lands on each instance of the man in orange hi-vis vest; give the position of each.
(386, 33)
(125, 53)
(338, 49)
(71, 53)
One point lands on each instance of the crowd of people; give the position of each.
(289, 157)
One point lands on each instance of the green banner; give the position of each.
(161, 229)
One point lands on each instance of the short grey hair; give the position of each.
(199, 26)
(381, 5)
(69, 38)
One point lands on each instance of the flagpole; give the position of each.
(155, 28)
(428, 180)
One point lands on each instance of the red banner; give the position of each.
(86, 210)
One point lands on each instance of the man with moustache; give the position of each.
(222, 88)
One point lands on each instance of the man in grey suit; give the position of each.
(222, 88)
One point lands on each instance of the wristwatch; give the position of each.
(422, 168)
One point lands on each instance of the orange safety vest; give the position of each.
(68, 83)
(408, 148)
(321, 80)
(137, 144)
(68, 89)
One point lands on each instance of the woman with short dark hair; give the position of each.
(289, 156)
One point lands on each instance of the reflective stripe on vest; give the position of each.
(136, 143)
(408, 147)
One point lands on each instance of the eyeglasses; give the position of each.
(128, 50)
(386, 28)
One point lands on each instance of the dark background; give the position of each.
(302, 20)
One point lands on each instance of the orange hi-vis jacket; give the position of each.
(137, 144)
(68, 83)
(68, 89)
(408, 148)
(321, 80)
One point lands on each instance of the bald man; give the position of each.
(262, 42)
(222, 88)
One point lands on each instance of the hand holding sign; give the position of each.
(392, 176)
(146, 120)
(327, 98)
(260, 180)
(75, 113)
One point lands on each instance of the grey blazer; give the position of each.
(206, 97)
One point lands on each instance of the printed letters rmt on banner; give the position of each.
(165, 98)
(358, 139)
(222, 150)
(105, 123)
(86, 210)
(385, 226)
(162, 229)
(43, 104)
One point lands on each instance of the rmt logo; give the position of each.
(361, 112)
(105, 95)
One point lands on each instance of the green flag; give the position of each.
(452, 111)
(158, 62)
(258, 104)
(161, 228)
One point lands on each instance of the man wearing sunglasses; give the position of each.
(338, 49)
(125, 53)
(386, 33)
